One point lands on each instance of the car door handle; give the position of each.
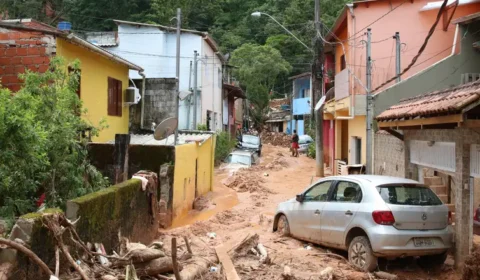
(317, 212)
(349, 213)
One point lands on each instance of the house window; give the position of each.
(343, 63)
(114, 97)
(79, 72)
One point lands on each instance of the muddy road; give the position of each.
(243, 204)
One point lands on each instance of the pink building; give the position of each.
(413, 20)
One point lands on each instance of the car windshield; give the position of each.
(408, 195)
(250, 139)
(240, 159)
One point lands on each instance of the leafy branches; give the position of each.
(40, 147)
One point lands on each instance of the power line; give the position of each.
(422, 48)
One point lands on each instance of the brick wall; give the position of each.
(21, 50)
(389, 155)
(159, 103)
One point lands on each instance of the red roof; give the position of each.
(442, 102)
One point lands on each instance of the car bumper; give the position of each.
(388, 241)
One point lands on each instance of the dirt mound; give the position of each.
(245, 181)
(277, 164)
(471, 269)
(228, 217)
(276, 139)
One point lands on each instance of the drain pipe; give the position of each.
(142, 112)
(350, 74)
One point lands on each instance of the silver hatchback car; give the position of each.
(370, 216)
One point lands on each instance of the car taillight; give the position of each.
(383, 217)
(450, 218)
(475, 216)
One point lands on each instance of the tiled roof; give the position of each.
(276, 104)
(442, 102)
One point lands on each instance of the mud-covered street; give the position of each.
(243, 204)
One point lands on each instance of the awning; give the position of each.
(235, 91)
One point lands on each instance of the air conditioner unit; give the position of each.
(132, 95)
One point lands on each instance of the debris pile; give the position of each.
(134, 261)
(471, 270)
(276, 139)
(245, 181)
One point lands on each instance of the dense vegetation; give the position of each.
(229, 21)
(40, 146)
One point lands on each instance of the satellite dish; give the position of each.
(184, 94)
(165, 128)
(320, 103)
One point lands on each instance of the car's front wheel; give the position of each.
(282, 226)
(360, 254)
(432, 260)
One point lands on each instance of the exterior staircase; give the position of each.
(441, 189)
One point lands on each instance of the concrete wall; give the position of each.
(159, 103)
(356, 128)
(444, 74)
(20, 50)
(192, 162)
(389, 155)
(121, 209)
(95, 71)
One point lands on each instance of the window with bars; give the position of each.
(114, 97)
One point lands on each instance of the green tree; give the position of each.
(258, 69)
(40, 147)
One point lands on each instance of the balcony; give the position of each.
(342, 84)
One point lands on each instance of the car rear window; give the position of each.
(408, 195)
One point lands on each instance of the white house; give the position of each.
(153, 47)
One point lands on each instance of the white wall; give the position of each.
(211, 86)
(155, 51)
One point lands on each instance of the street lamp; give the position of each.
(259, 14)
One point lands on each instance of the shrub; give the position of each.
(202, 127)
(41, 150)
(311, 151)
(223, 146)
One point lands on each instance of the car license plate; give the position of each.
(423, 242)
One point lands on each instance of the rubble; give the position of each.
(243, 181)
(471, 270)
(276, 139)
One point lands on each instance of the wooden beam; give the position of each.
(426, 121)
(471, 124)
(229, 268)
(395, 133)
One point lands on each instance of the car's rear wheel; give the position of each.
(432, 260)
(360, 254)
(282, 226)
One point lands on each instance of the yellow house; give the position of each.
(103, 81)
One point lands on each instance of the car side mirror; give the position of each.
(300, 197)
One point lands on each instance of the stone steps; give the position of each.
(433, 181)
(439, 189)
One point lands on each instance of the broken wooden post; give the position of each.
(122, 141)
(227, 263)
(174, 259)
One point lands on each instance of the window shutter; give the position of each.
(119, 98)
(111, 97)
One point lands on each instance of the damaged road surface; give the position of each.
(245, 232)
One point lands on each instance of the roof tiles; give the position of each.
(442, 102)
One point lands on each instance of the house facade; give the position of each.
(412, 19)
(430, 132)
(154, 48)
(28, 44)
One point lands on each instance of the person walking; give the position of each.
(295, 145)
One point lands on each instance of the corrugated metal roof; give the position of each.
(183, 138)
(442, 102)
(102, 39)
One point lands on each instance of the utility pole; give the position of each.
(397, 57)
(177, 97)
(195, 85)
(369, 104)
(189, 99)
(317, 91)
